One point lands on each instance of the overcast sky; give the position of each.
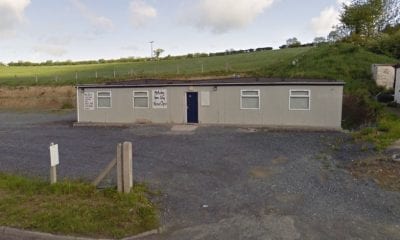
(38, 30)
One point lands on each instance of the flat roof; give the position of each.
(236, 81)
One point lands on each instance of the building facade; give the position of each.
(247, 101)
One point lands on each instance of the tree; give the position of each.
(319, 40)
(158, 52)
(293, 42)
(364, 19)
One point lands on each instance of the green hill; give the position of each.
(164, 68)
(345, 62)
(339, 61)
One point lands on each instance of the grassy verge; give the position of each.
(74, 208)
(386, 131)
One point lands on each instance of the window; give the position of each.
(299, 100)
(104, 99)
(141, 99)
(250, 99)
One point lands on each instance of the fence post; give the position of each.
(123, 160)
(119, 168)
(127, 166)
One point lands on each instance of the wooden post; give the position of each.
(119, 168)
(104, 173)
(123, 160)
(127, 167)
(53, 174)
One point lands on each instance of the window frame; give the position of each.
(148, 99)
(249, 96)
(97, 99)
(300, 96)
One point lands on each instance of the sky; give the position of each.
(40, 30)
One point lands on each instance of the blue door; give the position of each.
(192, 107)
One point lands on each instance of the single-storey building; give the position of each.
(248, 101)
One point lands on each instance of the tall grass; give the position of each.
(345, 62)
(74, 208)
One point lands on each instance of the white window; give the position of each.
(104, 99)
(299, 99)
(141, 99)
(249, 99)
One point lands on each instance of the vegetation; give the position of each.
(165, 68)
(382, 170)
(74, 208)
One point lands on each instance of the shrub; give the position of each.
(359, 110)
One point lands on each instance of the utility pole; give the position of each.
(151, 49)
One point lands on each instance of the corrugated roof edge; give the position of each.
(213, 82)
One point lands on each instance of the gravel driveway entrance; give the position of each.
(220, 182)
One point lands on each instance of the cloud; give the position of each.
(328, 18)
(324, 23)
(52, 50)
(100, 23)
(141, 13)
(341, 2)
(225, 15)
(11, 14)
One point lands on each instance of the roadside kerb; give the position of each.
(9, 232)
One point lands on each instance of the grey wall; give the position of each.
(397, 87)
(383, 75)
(326, 107)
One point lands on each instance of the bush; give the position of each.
(359, 110)
(388, 44)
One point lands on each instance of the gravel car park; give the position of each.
(219, 182)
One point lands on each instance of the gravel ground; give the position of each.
(220, 182)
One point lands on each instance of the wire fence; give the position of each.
(81, 76)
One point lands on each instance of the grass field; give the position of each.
(179, 68)
(74, 208)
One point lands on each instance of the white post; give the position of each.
(54, 161)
